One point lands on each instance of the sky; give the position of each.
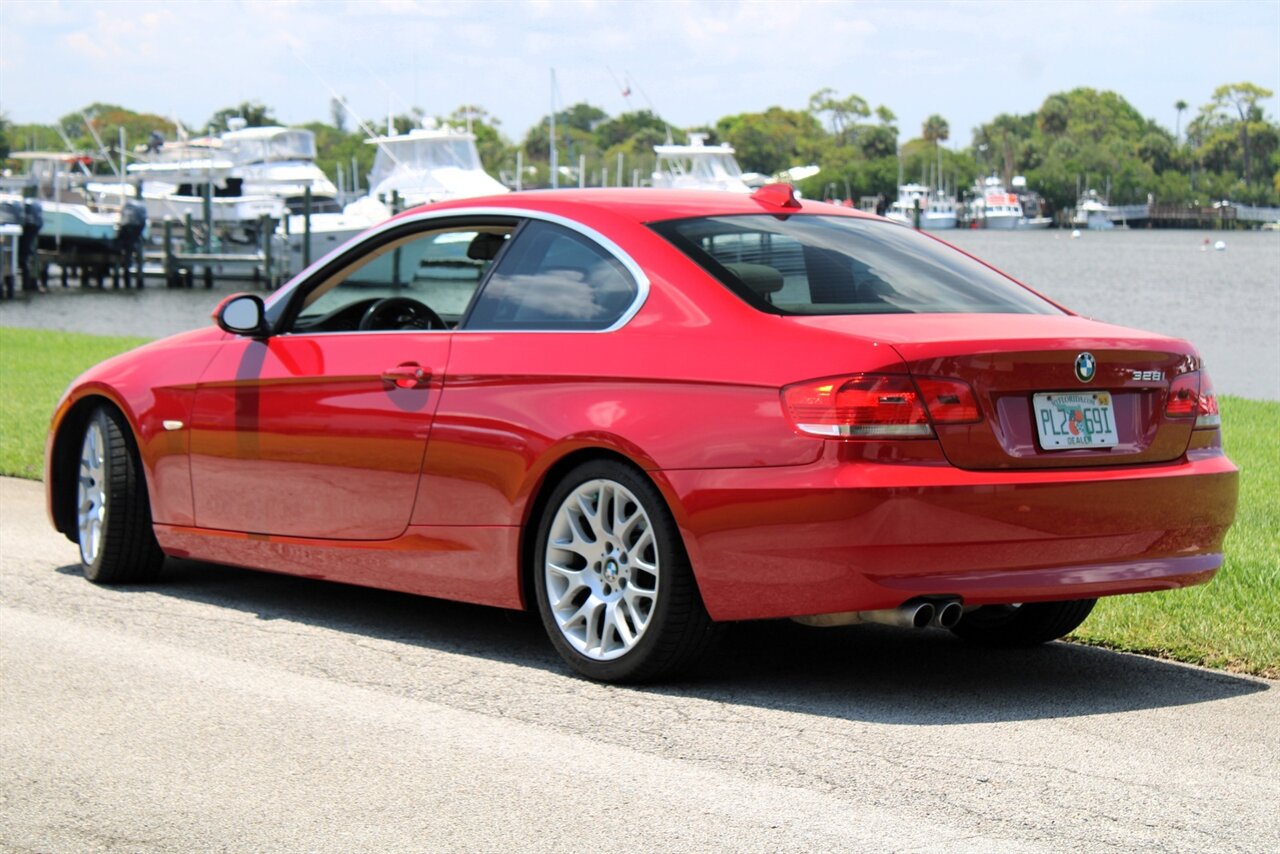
(691, 61)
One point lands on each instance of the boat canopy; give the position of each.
(268, 145)
(426, 152)
(708, 165)
(701, 162)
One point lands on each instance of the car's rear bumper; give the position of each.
(838, 536)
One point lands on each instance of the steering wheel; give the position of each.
(400, 313)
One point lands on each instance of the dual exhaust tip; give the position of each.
(941, 613)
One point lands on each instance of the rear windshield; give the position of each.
(814, 265)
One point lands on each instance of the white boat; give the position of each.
(995, 207)
(175, 188)
(1093, 212)
(937, 209)
(73, 218)
(278, 161)
(427, 164)
(170, 180)
(1032, 206)
(253, 172)
(698, 166)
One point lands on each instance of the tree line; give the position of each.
(1080, 139)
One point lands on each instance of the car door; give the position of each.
(534, 353)
(319, 430)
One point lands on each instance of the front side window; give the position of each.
(553, 278)
(825, 265)
(424, 280)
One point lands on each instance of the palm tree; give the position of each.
(936, 129)
(1179, 105)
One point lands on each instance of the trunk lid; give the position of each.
(1010, 359)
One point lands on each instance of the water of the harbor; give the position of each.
(1226, 302)
(1174, 282)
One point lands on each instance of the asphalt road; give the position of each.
(223, 710)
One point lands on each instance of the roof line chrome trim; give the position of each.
(641, 280)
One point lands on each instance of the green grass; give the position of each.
(1231, 623)
(36, 366)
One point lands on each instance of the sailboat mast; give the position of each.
(555, 183)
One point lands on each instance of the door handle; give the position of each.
(408, 375)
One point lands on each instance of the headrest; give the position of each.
(761, 278)
(484, 246)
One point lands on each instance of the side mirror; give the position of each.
(242, 314)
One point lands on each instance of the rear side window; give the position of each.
(552, 278)
(818, 265)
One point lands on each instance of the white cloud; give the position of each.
(82, 44)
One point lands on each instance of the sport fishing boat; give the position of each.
(173, 186)
(698, 166)
(1033, 216)
(937, 209)
(1093, 212)
(432, 163)
(995, 207)
(252, 172)
(278, 161)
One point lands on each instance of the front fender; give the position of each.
(151, 386)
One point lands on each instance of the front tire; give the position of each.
(614, 586)
(113, 513)
(1028, 624)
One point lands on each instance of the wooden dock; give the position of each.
(1219, 216)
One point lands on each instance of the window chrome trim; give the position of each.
(637, 274)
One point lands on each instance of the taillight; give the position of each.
(1191, 395)
(949, 401)
(863, 405)
(1184, 396)
(1207, 417)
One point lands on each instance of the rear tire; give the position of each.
(113, 512)
(1028, 624)
(614, 586)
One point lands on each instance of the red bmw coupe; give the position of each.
(646, 413)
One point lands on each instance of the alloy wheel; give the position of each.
(602, 569)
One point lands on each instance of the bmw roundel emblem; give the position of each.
(1086, 367)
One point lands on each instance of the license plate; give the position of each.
(1075, 419)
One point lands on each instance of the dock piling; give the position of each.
(395, 253)
(168, 253)
(208, 232)
(265, 236)
(306, 215)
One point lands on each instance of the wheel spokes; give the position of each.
(589, 513)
